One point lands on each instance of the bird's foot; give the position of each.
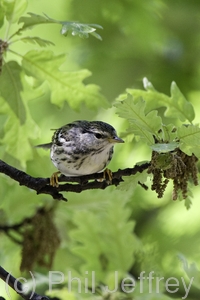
(54, 179)
(107, 176)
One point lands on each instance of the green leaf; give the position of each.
(131, 182)
(32, 20)
(140, 123)
(2, 14)
(176, 105)
(191, 271)
(65, 86)
(189, 137)
(120, 241)
(164, 148)
(14, 9)
(105, 248)
(11, 88)
(185, 108)
(168, 133)
(63, 294)
(96, 35)
(164, 161)
(87, 244)
(80, 29)
(17, 136)
(36, 40)
(188, 202)
(76, 28)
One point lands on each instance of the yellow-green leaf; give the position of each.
(189, 137)
(14, 9)
(64, 86)
(141, 124)
(11, 88)
(177, 105)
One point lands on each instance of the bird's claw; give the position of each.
(107, 175)
(54, 179)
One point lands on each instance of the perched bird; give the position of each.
(81, 148)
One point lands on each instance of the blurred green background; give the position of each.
(156, 39)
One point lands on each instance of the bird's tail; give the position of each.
(44, 146)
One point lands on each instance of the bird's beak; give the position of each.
(116, 139)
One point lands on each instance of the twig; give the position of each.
(42, 186)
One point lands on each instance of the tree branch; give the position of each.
(16, 285)
(42, 185)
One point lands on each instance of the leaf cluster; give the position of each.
(38, 73)
(146, 121)
(170, 133)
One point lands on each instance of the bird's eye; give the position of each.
(98, 135)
